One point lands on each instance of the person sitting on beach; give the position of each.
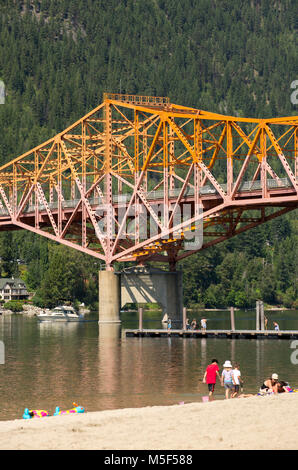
(270, 384)
(227, 379)
(283, 387)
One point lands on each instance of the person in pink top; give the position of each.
(211, 373)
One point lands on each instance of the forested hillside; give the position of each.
(57, 57)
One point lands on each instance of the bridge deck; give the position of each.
(247, 189)
(235, 334)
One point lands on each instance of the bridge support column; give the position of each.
(109, 297)
(147, 284)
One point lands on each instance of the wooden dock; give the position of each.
(232, 334)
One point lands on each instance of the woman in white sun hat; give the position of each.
(227, 379)
(270, 385)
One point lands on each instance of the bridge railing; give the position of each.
(138, 99)
(246, 186)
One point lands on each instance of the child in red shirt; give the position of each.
(210, 377)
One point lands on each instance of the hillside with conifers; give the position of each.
(57, 57)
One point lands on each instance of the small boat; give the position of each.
(62, 313)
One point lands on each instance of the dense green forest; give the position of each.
(57, 57)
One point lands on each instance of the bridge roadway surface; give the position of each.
(209, 195)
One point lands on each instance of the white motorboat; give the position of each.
(62, 313)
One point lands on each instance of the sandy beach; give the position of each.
(243, 423)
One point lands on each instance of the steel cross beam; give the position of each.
(140, 178)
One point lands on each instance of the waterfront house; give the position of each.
(13, 289)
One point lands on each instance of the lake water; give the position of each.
(53, 364)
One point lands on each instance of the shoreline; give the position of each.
(224, 309)
(239, 423)
(32, 311)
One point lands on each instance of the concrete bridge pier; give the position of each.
(140, 285)
(109, 297)
(151, 285)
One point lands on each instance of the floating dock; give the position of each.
(232, 334)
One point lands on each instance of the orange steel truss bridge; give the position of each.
(135, 178)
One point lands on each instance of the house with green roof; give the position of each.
(13, 289)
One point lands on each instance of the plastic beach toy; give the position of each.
(205, 399)
(28, 414)
(75, 409)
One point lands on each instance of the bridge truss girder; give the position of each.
(138, 178)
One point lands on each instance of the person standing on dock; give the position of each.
(203, 324)
(211, 373)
